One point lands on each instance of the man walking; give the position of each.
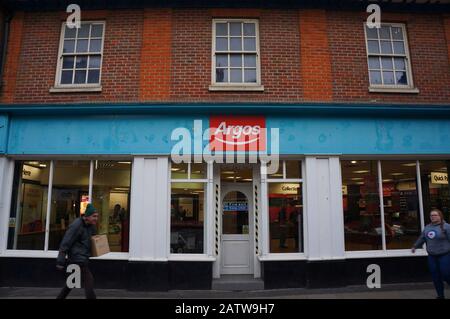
(76, 244)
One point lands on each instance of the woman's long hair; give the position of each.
(441, 215)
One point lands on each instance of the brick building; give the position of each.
(359, 116)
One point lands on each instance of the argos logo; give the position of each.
(237, 133)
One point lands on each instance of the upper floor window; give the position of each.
(388, 57)
(80, 55)
(235, 61)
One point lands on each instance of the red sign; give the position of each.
(237, 133)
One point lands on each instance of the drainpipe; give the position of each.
(4, 43)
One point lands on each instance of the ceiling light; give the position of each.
(360, 172)
(174, 169)
(397, 174)
(357, 179)
(228, 172)
(247, 179)
(388, 180)
(42, 165)
(277, 175)
(124, 163)
(354, 162)
(409, 164)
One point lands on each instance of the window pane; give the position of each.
(235, 214)
(94, 76)
(286, 217)
(236, 60)
(221, 60)
(179, 171)
(236, 44)
(401, 78)
(80, 77)
(82, 45)
(250, 60)
(29, 205)
(66, 77)
(97, 31)
(235, 29)
(278, 173)
(198, 170)
(94, 61)
(250, 76)
(68, 62)
(222, 44)
(70, 195)
(399, 47)
(374, 62)
(221, 75)
(293, 169)
(222, 29)
(400, 63)
(111, 198)
(187, 218)
(361, 205)
(385, 33)
(372, 33)
(236, 75)
(83, 32)
(397, 33)
(249, 29)
(401, 203)
(69, 46)
(81, 62)
(70, 33)
(373, 47)
(375, 77)
(250, 44)
(387, 63)
(435, 187)
(388, 78)
(95, 46)
(386, 47)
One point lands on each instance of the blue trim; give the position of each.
(237, 108)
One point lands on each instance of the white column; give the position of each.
(324, 213)
(6, 183)
(150, 209)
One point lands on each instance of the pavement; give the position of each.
(388, 291)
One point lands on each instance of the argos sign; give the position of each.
(237, 133)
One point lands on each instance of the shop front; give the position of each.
(320, 197)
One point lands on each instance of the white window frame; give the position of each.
(265, 181)
(394, 88)
(219, 86)
(384, 252)
(46, 253)
(85, 87)
(207, 181)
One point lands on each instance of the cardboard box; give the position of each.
(100, 245)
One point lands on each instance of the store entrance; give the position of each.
(236, 221)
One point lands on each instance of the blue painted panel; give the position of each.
(362, 135)
(151, 134)
(3, 133)
(116, 134)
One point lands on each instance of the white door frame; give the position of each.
(247, 190)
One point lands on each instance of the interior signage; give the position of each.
(235, 206)
(439, 178)
(237, 133)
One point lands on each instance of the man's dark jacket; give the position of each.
(76, 243)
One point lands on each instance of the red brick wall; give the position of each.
(280, 59)
(315, 56)
(121, 60)
(12, 63)
(428, 51)
(156, 55)
(165, 55)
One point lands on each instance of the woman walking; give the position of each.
(436, 235)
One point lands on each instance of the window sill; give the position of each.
(393, 90)
(216, 87)
(71, 89)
